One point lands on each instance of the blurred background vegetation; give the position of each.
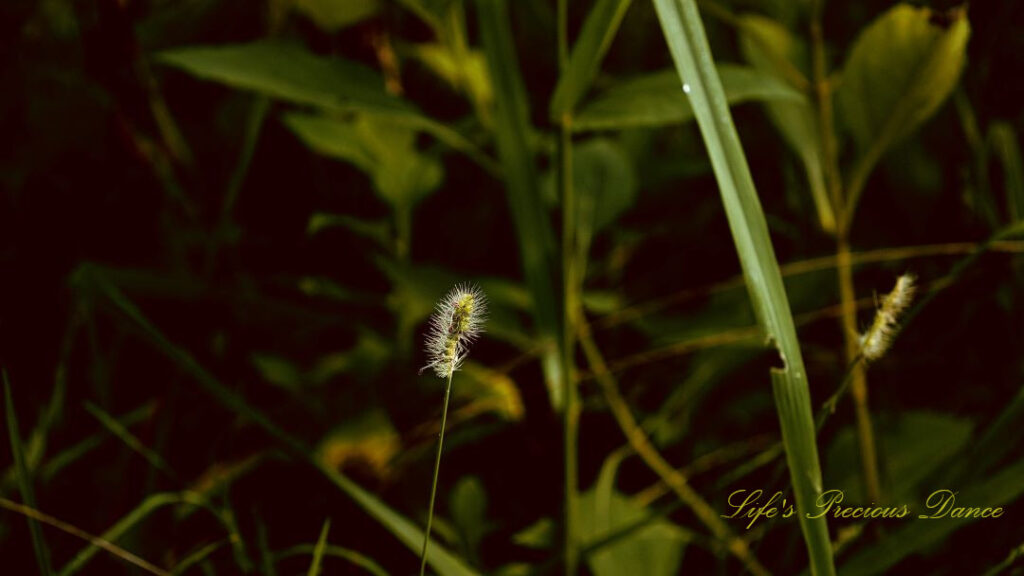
(225, 222)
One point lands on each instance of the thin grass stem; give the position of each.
(437, 468)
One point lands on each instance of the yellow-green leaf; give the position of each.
(333, 15)
(657, 100)
(899, 71)
(901, 68)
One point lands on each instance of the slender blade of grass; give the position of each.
(334, 552)
(536, 241)
(197, 557)
(127, 522)
(684, 33)
(130, 440)
(266, 556)
(318, 551)
(599, 30)
(25, 481)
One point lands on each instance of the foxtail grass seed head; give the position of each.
(457, 321)
(876, 341)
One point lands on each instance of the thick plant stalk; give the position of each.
(681, 24)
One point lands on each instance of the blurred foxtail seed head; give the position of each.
(876, 341)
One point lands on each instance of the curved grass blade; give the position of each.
(536, 241)
(335, 552)
(595, 38)
(130, 440)
(25, 481)
(684, 33)
(197, 557)
(318, 551)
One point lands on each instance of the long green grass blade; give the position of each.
(318, 551)
(402, 528)
(266, 556)
(25, 480)
(681, 24)
(536, 242)
(334, 552)
(121, 527)
(130, 440)
(198, 556)
(594, 40)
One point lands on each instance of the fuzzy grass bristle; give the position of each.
(457, 321)
(876, 341)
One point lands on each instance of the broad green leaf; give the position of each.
(595, 38)
(377, 230)
(486, 390)
(796, 121)
(431, 12)
(470, 74)
(684, 32)
(416, 290)
(605, 183)
(657, 100)
(363, 360)
(998, 490)
(1002, 138)
(278, 371)
(671, 423)
(468, 504)
(291, 73)
(541, 534)
(287, 72)
(900, 69)
(536, 240)
(656, 549)
(333, 15)
(401, 175)
(914, 445)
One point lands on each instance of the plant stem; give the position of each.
(569, 308)
(437, 468)
(844, 264)
(859, 386)
(571, 416)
